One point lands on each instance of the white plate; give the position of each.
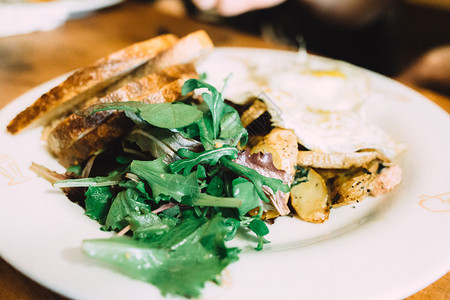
(79, 8)
(386, 248)
(73, 7)
(21, 17)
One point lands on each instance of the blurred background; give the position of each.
(405, 39)
(408, 40)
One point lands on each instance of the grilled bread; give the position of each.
(74, 139)
(86, 82)
(152, 71)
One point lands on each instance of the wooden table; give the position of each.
(29, 60)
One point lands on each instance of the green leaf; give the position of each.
(206, 131)
(231, 129)
(259, 227)
(162, 182)
(257, 179)
(149, 225)
(246, 191)
(126, 203)
(234, 225)
(215, 187)
(98, 201)
(201, 172)
(172, 212)
(301, 175)
(162, 142)
(163, 115)
(209, 157)
(178, 263)
(77, 170)
(170, 115)
(213, 99)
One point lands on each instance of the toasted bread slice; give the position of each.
(160, 86)
(86, 82)
(186, 50)
(148, 89)
(111, 73)
(76, 138)
(112, 127)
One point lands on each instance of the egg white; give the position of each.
(322, 101)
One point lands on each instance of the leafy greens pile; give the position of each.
(181, 207)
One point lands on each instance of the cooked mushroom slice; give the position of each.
(310, 198)
(338, 160)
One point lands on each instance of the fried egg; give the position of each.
(321, 100)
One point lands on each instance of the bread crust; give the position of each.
(86, 82)
(82, 131)
(114, 126)
(164, 86)
(152, 71)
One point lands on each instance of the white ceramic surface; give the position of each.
(386, 248)
(22, 17)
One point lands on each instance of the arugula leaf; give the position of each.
(76, 169)
(162, 182)
(210, 157)
(98, 201)
(172, 212)
(231, 129)
(162, 115)
(148, 225)
(162, 142)
(138, 186)
(259, 227)
(201, 172)
(213, 99)
(206, 131)
(170, 115)
(234, 225)
(215, 186)
(301, 175)
(221, 121)
(178, 263)
(246, 191)
(257, 179)
(126, 202)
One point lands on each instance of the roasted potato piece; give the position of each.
(310, 198)
(353, 185)
(351, 189)
(282, 144)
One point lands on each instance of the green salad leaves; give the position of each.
(177, 261)
(176, 210)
